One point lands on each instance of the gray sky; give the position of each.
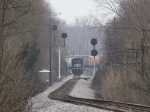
(69, 9)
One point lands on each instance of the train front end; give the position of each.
(77, 66)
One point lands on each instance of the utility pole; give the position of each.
(143, 53)
(50, 55)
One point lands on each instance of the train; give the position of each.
(88, 60)
(77, 66)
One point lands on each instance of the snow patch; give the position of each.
(82, 90)
(41, 102)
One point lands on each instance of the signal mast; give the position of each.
(94, 52)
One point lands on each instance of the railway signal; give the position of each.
(54, 27)
(59, 49)
(94, 41)
(64, 35)
(94, 52)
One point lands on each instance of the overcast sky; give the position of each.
(69, 9)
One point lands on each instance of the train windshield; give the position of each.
(77, 65)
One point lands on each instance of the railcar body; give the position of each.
(77, 66)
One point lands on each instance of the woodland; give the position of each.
(123, 42)
(124, 74)
(25, 32)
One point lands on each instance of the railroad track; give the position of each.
(62, 94)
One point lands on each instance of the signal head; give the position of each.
(93, 41)
(54, 27)
(94, 52)
(64, 35)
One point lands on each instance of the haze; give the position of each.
(70, 9)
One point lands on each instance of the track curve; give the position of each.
(62, 94)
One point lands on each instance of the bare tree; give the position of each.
(24, 32)
(126, 55)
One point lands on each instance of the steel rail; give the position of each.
(62, 94)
